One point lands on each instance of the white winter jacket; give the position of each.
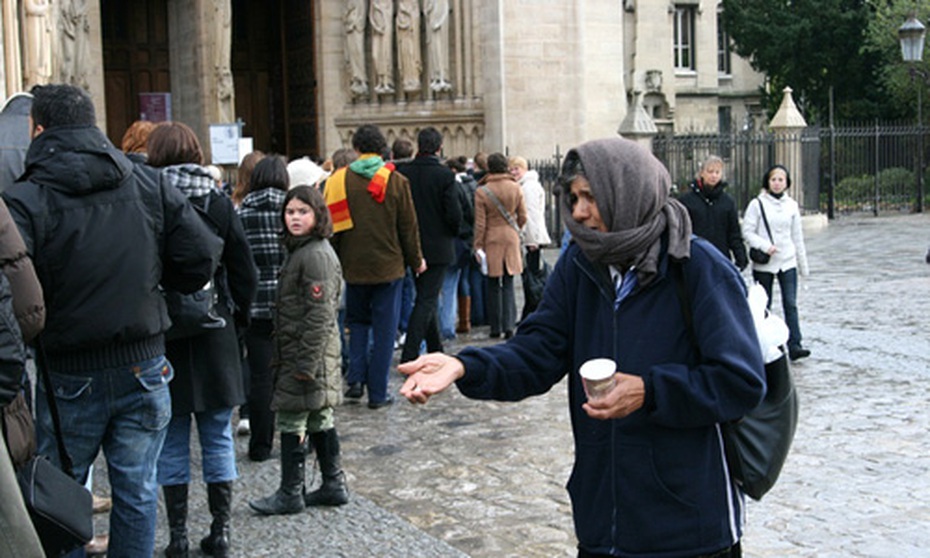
(784, 219)
(534, 196)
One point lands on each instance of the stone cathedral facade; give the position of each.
(298, 76)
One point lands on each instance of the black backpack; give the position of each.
(195, 314)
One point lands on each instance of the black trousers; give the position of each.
(261, 388)
(424, 320)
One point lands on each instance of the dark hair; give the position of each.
(571, 169)
(323, 223)
(768, 174)
(343, 157)
(244, 175)
(457, 164)
(61, 105)
(137, 136)
(402, 149)
(174, 143)
(481, 160)
(270, 172)
(429, 140)
(497, 163)
(369, 139)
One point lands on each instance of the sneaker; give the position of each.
(401, 339)
(243, 428)
(795, 354)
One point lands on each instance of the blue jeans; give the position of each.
(448, 302)
(125, 411)
(217, 451)
(788, 283)
(372, 310)
(478, 289)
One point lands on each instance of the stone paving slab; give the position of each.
(471, 478)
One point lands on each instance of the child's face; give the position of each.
(778, 181)
(711, 175)
(299, 217)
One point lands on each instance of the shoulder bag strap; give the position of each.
(500, 207)
(765, 221)
(63, 456)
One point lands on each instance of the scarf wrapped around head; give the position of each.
(631, 189)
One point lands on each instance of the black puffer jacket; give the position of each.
(103, 233)
(714, 217)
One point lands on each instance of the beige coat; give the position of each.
(493, 233)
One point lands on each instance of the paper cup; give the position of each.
(598, 377)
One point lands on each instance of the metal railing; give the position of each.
(853, 168)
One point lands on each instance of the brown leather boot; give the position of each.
(464, 315)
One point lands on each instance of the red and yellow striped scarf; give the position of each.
(338, 204)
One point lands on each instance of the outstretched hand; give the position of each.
(429, 375)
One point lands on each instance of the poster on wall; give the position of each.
(224, 144)
(155, 107)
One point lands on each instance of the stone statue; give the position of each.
(37, 59)
(224, 96)
(381, 17)
(354, 21)
(75, 40)
(222, 21)
(437, 40)
(408, 44)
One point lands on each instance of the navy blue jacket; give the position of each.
(655, 482)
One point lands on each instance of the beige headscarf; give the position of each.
(631, 189)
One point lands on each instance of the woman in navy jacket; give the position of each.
(650, 477)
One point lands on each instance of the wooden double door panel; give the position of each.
(272, 61)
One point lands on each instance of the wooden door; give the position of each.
(274, 75)
(135, 58)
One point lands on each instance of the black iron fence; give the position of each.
(846, 169)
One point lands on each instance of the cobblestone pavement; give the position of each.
(469, 478)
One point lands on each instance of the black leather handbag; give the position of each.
(756, 445)
(60, 507)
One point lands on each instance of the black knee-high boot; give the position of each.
(219, 497)
(176, 507)
(333, 491)
(289, 496)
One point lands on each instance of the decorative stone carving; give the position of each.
(74, 57)
(408, 44)
(37, 42)
(354, 22)
(437, 41)
(225, 89)
(381, 17)
(653, 81)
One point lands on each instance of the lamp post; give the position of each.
(911, 34)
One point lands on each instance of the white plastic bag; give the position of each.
(771, 329)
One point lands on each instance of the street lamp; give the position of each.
(911, 34)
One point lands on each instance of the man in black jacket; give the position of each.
(439, 216)
(103, 234)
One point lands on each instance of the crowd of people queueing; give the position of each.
(299, 255)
